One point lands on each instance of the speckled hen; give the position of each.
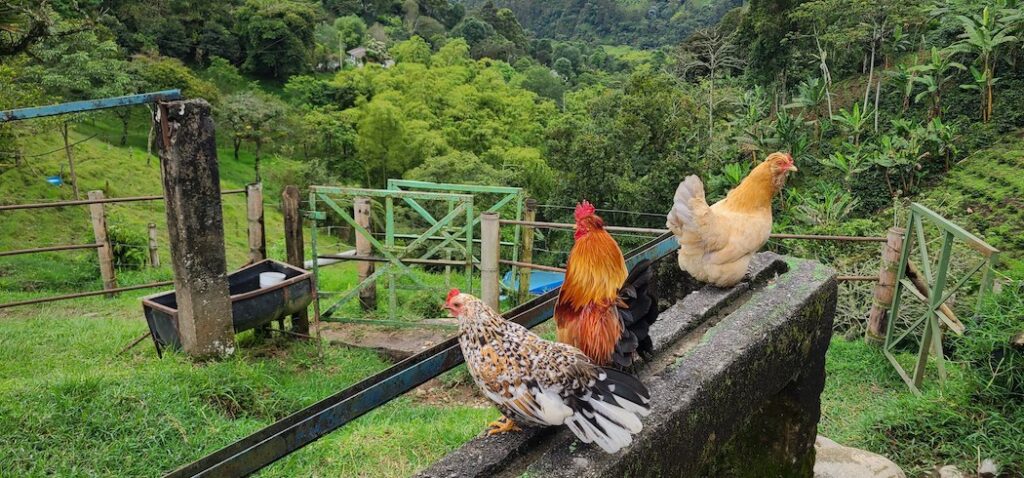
(536, 382)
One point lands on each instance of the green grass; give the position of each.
(977, 413)
(71, 406)
(983, 194)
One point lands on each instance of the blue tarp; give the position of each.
(540, 281)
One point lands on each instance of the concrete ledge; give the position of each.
(735, 389)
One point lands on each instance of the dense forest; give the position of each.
(879, 102)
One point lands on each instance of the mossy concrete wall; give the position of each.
(735, 387)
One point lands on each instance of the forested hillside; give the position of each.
(881, 103)
(648, 24)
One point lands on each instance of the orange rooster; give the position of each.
(603, 309)
(716, 243)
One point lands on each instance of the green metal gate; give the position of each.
(505, 196)
(460, 206)
(936, 294)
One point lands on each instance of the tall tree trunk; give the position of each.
(256, 161)
(237, 143)
(878, 93)
(711, 107)
(871, 73)
(988, 83)
(71, 160)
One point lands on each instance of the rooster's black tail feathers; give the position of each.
(637, 315)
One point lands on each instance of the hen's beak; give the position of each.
(792, 167)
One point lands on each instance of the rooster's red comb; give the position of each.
(584, 209)
(451, 294)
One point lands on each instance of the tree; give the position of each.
(544, 82)
(708, 53)
(933, 76)
(458, 167)
(224, 75)
(23, 23)
(277, 37)
(563, 66)
(79, 66)
(473, 30)
(252, 116)
(983, 35)
(413, 50)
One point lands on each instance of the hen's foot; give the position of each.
(503, 425)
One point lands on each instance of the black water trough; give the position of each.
(251, 306)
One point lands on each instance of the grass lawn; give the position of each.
(71, 406)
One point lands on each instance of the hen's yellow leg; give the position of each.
(503, 425)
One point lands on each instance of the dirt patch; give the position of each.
(437, 393)
(394, 343)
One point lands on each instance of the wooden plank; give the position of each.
(529, 215)
(154, 253)
(368, 293)
(490, 254)
(254, 218)
(104, 252)
(294, 246)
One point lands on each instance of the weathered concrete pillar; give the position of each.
(195, 226)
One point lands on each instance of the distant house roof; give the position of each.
(359, 52)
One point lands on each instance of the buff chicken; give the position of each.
(717, 242)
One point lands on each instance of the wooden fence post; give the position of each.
(294, 247)
(368, 294)
(254, 214)
(878, 317)
(195, 226)
(105, 252)
(529, 215)
(154, 254)
(490, 251)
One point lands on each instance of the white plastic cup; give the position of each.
(268, 279)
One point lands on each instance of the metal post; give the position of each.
(879, 314)
(105, 252)
(154, 254)
(195, 226)
(254, 215)
(294, 246)
(368, 294)
(490, 250)
(529, 215)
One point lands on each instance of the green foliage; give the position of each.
(158, 73)
(413, 50)
(224, 75)
(255, 117)
(129, 245)
(458, 168)
(277, 37)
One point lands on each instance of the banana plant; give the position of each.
(905, 78)
(854, 121)
(933, 76)
(980, 84)
(983, 35)
(848, 163)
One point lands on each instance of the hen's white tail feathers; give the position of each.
(685, 210)
(607, 415)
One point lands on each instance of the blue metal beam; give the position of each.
(291, 433)
(88, 105)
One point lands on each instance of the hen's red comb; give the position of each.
(451, 294)
(584, 209)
